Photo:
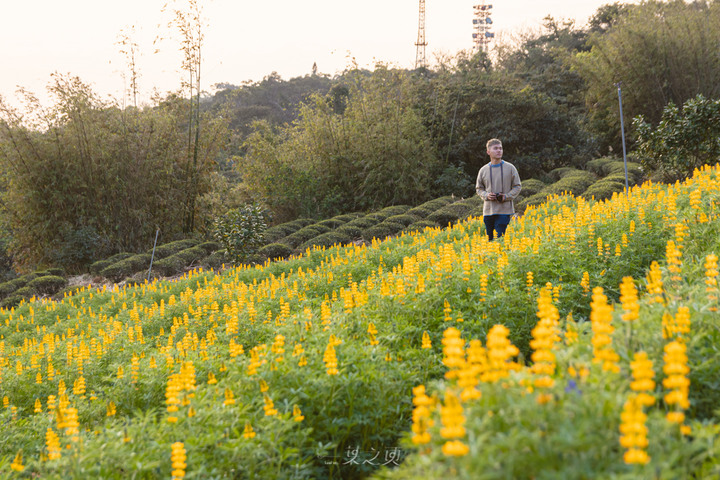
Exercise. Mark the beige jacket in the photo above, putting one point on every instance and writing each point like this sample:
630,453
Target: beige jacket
508,183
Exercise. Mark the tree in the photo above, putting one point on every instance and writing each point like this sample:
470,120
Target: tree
87,176
685,138
662,52
467,103
375,153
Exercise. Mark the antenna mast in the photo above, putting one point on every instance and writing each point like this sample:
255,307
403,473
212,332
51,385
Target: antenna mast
482,23
421,43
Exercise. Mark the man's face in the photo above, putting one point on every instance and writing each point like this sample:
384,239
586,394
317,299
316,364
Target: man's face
495,151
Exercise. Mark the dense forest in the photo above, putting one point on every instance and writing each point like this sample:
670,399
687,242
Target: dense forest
85,178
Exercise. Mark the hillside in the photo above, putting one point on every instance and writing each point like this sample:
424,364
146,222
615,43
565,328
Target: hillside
305,368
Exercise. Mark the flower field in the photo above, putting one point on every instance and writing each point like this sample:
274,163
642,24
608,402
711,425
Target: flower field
584,344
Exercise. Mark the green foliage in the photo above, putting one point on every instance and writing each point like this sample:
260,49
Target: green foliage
405,219
575,183
531,186
353,231
685,138
47,285
363,222
327,240
375,153
241,232
86,178
420,225
275,250
181,261
599,166
126,267
171,248
662,52
603,189
97,267
381,231
561,172
451,213
304,234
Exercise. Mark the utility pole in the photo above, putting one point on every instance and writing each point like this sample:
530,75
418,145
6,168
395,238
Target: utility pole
622,132
482,23
420,60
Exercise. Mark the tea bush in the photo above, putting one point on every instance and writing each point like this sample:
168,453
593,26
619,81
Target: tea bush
602,190
275,250
171,248
47,285
126,267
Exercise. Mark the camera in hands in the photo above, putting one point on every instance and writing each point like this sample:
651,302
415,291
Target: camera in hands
500,197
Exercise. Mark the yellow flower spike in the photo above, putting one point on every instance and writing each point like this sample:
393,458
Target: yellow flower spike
52,444
229,398
178,458
601,318
426,343
634,432
248,431
16,464
269,406
629,300
297,414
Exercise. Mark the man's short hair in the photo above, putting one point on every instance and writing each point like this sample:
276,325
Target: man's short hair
491,142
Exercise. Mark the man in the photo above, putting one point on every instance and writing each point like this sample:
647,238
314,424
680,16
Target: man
498,183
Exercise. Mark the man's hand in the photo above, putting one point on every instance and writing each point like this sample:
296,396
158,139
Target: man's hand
491,196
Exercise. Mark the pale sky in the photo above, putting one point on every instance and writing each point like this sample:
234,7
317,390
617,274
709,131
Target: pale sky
244,40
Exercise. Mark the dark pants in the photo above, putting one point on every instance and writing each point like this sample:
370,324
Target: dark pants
496,223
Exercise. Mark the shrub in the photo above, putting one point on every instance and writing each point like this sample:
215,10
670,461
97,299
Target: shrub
599,166
327,240
171,248
11,301
241,231
421,211
48,284
98,266
303,235
419,226
381,231
450,213
275,250
168,266
299,223
347,217
575,183
531,186
124,268
474,201
405,220
362,222
635,173
24,292
273,234
561,172
210,247
351,231
603,190
395,209
536,199
215,261
331,223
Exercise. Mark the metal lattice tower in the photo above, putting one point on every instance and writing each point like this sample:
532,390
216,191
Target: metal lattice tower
421,43
482,24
